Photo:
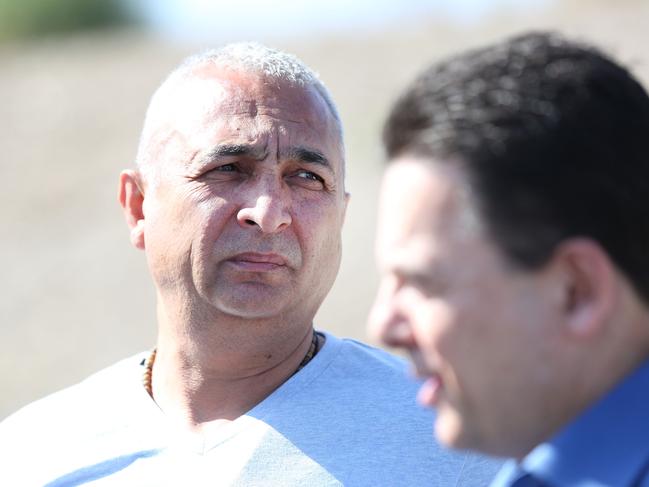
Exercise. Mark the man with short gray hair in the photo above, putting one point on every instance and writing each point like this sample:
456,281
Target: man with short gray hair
238,200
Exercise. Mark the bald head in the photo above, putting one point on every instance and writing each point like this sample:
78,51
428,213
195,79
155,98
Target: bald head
233,61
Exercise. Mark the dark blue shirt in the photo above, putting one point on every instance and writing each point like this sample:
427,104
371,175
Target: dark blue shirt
607,445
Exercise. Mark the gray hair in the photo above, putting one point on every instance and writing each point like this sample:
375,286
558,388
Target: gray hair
247,57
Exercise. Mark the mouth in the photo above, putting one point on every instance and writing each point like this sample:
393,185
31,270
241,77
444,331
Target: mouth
430,391
258,262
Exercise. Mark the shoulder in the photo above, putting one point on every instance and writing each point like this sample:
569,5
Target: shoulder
74,427
364,422
72,409
374,385
363,353
349,377
363,362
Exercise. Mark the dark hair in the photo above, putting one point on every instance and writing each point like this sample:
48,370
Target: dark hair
553,137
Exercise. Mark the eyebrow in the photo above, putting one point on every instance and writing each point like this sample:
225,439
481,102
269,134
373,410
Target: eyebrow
296,153
230,150
305,155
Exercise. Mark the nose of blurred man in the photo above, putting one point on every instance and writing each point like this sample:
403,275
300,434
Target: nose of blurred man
267,207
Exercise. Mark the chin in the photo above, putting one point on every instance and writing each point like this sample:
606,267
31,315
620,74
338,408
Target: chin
250,307
454,431
450,430
250,310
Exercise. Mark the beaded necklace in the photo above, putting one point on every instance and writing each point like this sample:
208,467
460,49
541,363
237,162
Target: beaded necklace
148,364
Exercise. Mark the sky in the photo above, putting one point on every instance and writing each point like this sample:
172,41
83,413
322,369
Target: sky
209,20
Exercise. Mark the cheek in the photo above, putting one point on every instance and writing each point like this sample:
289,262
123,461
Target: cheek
318,234
211,214
483,344
434,324
180,218
318,226
455,337
321,250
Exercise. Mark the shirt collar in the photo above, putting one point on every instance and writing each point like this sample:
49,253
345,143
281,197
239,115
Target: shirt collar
608,444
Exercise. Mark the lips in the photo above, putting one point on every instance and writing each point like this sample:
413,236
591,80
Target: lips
258,262
430,391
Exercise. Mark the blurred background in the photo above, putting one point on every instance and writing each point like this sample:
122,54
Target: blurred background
75,80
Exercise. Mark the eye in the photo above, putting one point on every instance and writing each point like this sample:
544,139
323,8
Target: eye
309,175
429,285
226,168
223,172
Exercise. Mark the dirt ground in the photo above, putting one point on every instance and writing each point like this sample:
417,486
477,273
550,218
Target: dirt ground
76,296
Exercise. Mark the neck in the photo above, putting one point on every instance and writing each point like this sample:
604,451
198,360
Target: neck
206,375
592,368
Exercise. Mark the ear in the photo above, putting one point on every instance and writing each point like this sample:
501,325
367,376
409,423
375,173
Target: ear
131,198
590,286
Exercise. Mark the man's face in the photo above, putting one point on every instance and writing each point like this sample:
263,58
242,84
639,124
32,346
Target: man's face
480,334
244,200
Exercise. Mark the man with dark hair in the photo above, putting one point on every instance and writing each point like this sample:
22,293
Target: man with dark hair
513,237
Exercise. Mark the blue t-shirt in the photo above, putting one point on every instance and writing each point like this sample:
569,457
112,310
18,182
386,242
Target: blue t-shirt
348,418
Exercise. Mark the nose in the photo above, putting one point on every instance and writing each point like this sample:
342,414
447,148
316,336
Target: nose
265,207
390,324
